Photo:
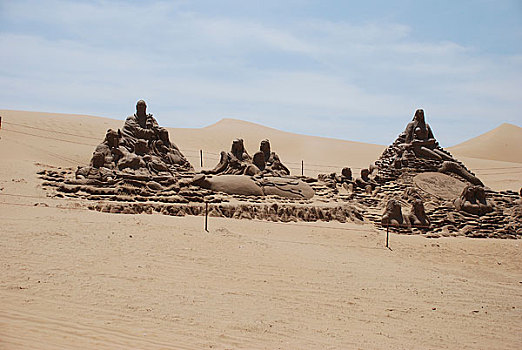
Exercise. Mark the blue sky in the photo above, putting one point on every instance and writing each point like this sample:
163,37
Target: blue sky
343,69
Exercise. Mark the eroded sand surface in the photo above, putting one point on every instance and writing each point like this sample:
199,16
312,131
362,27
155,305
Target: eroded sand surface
74,278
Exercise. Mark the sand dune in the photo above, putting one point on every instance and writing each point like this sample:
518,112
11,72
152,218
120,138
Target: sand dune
75,278
495,156
503,143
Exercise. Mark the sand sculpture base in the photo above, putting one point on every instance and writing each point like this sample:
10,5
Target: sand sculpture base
177,196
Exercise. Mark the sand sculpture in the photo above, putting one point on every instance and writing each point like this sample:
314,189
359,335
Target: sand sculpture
261,175
419,139
104,159
334,180
273,165
473,200
417,216
392,215
255,186
235,162
444,194
416,149
239,162
143,136
139,170
364,182
451,167
142,149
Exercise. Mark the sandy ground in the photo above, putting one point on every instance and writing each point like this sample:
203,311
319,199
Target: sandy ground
73,278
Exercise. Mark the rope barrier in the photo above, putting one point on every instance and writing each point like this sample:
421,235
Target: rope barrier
500,173
52,131
49,138
58,156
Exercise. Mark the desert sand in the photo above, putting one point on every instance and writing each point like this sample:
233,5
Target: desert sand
74,278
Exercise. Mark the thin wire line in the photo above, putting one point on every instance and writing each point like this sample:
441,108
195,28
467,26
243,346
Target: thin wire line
49,138
51,131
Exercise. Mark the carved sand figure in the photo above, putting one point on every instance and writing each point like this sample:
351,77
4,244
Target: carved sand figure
346,180
97,170
346,175
167,151
285,187
231,184
420,139
456,168
139,126
392,215
134,160
333,180
143,126
364,182
231,163
104,159
235,162
329,180
255,186
473,201
273,164
258,159
373,172
109,149
417,216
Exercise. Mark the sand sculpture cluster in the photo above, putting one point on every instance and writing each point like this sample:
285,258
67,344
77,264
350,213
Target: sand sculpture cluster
239,162
139,170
